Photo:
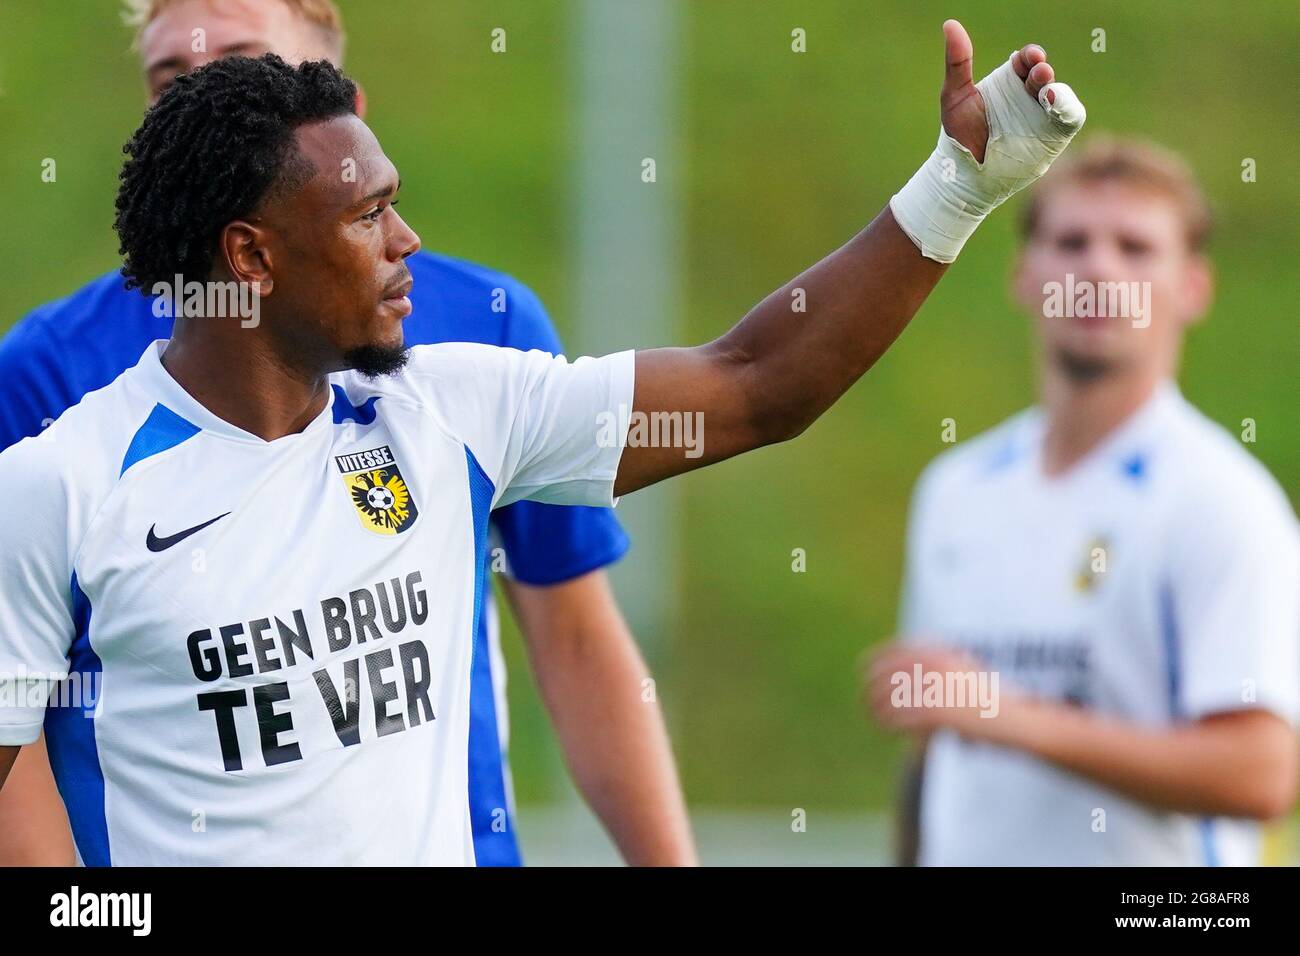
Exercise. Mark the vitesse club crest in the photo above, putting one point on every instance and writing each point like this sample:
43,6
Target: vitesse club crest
1093,567
377,490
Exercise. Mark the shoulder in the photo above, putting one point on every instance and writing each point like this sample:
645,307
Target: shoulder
455,364
471,389
87,436
459,300
975,460
1216,484
449,381
69,469
65,318
89,326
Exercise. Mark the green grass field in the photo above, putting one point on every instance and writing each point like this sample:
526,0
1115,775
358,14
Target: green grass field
779,158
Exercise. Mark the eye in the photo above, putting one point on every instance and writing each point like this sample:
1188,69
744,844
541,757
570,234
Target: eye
374,214
1072,242
1134,248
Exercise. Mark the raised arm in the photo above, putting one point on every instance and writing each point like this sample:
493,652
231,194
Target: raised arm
777,370
7,757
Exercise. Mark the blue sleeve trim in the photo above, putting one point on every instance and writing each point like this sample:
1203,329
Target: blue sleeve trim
548,544
493,830
585,564
70,740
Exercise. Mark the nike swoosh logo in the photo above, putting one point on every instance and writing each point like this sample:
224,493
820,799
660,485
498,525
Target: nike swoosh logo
155,543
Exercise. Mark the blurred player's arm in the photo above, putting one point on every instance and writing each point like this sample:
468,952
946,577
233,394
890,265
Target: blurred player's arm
1240,763
593,682
777,370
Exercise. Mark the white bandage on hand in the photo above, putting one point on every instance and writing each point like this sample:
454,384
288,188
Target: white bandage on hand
951,193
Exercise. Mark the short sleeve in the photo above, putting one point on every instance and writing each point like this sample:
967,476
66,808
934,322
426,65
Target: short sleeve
547,544
1233,604
541,428
36,609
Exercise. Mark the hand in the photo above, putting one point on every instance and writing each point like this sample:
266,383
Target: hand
891,689
962,106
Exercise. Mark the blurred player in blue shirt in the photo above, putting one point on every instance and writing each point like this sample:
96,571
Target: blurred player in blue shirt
587,664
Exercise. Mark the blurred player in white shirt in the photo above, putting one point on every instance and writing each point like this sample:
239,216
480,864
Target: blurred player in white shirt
1129,572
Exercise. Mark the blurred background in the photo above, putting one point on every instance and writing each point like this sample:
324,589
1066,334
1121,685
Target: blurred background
531,161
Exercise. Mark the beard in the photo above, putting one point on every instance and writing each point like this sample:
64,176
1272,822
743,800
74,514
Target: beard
1084,369
373,361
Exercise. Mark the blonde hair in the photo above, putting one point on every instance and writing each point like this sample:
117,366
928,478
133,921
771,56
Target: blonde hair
321,14
1132,162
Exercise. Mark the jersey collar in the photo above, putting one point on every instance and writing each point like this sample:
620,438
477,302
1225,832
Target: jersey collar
160,385
1126,446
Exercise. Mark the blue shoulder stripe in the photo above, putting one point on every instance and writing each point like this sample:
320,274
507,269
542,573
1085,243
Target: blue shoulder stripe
344,410
163,429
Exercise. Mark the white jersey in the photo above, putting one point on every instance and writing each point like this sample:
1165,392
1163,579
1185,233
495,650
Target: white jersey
1157,581
269,643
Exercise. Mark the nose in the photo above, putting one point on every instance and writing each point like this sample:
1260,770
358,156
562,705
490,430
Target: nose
402,240
1101,261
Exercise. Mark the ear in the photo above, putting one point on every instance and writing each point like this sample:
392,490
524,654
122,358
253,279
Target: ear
243,251
1198,289
361,101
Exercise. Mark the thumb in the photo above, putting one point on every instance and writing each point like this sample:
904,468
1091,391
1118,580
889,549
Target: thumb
958,54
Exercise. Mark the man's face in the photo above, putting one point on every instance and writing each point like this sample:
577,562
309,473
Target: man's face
170,45
334,251
1099,236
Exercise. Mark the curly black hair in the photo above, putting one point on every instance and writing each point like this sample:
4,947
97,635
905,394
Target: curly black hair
215,144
